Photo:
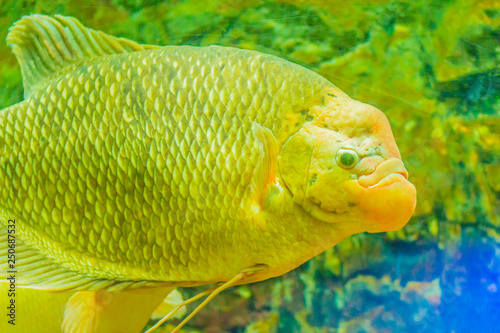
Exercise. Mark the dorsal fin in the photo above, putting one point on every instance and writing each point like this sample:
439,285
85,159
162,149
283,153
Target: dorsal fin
46,45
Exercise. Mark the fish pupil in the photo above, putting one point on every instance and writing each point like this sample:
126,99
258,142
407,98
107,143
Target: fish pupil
347,159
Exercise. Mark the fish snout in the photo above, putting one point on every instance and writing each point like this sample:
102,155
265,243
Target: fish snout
386,197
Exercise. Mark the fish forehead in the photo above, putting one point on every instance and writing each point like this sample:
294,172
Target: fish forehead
142,161
357,124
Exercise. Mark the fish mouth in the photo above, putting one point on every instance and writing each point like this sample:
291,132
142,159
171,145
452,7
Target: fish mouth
386,197
387,173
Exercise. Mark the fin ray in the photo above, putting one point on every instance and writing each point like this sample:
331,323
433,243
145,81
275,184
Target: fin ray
45,45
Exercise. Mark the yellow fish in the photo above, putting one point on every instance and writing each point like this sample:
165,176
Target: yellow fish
133,169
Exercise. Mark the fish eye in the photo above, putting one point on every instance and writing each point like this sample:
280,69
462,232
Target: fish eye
347,158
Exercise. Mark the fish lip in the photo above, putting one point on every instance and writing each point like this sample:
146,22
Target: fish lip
386,173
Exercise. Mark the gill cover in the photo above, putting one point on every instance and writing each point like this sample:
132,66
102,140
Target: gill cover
309,169
294,163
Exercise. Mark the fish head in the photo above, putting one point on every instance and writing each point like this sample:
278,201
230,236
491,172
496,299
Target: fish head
343,166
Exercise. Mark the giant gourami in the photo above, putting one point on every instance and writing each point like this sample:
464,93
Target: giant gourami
134,169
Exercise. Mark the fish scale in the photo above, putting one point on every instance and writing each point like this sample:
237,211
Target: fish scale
185,165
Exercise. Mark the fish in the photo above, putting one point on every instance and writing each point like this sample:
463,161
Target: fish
129,170
43,311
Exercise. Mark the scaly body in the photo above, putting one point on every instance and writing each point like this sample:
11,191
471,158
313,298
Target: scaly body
139,165
130,166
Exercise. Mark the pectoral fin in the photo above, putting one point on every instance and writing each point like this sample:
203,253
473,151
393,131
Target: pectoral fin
264,175
109,312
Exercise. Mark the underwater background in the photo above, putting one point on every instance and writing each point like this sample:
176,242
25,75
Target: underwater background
433,68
